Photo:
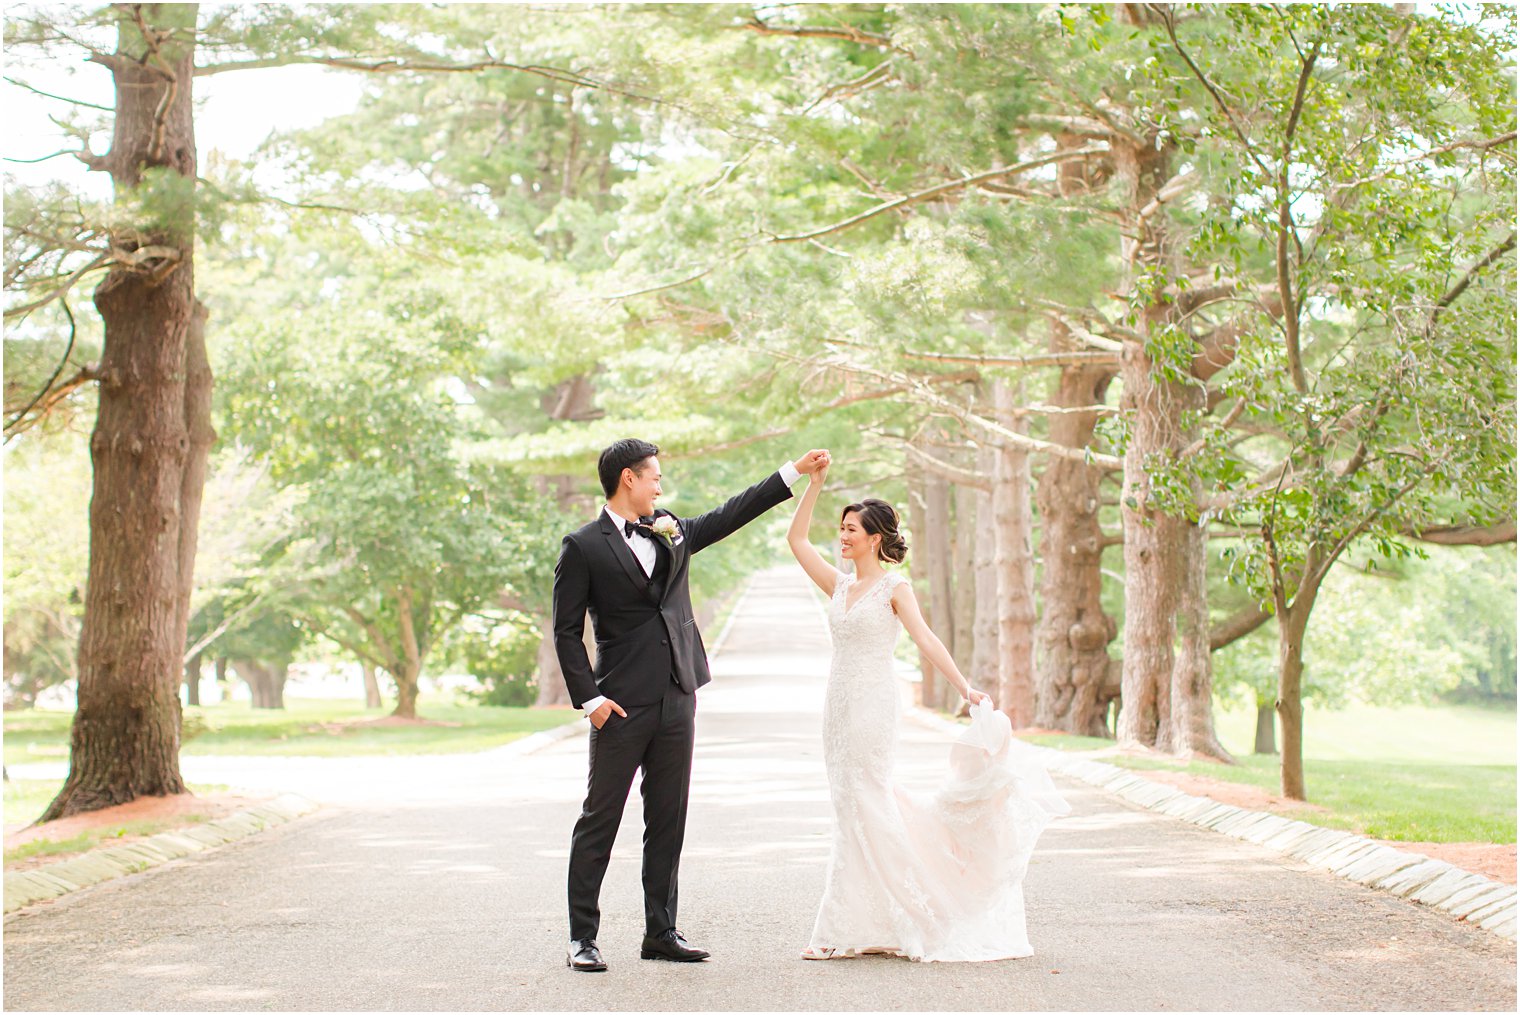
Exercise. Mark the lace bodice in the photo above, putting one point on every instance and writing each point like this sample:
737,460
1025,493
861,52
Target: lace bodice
869,626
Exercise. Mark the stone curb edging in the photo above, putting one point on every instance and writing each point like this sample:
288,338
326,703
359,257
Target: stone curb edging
1444,887
23,888
537,741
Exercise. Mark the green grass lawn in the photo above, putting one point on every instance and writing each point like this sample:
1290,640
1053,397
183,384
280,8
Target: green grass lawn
1448,734
1410,774
26,798
305,727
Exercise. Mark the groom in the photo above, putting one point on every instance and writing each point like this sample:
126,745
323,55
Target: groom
629,569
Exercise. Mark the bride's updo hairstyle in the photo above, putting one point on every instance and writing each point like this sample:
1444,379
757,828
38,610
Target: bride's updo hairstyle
879,518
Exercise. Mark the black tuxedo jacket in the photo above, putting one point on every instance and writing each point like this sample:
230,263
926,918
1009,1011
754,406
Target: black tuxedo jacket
645,631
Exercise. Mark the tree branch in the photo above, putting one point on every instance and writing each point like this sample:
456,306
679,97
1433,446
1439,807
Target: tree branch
1286,230
843,33
63,360
221,629
943,469
1237,626
1168,21
1467,535
1044,359
846,89
358,650
1450,296
1392,167
1172,189
400,65
1224,424
939,190
1005,435
68,283
1324,565
1079,125
388,658
837,403
60,98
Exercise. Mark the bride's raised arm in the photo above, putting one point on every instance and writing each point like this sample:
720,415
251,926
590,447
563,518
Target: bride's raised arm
906,605
824,574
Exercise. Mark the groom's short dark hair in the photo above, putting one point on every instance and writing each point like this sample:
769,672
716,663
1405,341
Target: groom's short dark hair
628,453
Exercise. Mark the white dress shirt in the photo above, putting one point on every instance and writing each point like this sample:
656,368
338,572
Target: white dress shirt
643,548
639,542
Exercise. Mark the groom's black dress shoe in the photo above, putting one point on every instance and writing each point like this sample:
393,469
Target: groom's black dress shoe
671,946
584,957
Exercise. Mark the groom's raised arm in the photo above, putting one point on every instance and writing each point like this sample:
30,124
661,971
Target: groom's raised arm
739,510
572,595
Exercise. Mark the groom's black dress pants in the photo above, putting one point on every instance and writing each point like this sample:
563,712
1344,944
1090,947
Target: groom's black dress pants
658,739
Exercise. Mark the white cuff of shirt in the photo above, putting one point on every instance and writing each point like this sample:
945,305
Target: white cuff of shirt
789,474
592,705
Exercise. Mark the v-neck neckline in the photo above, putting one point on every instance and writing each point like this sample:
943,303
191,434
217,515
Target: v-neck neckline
848,609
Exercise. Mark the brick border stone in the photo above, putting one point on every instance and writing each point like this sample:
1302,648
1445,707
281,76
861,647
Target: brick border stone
25,888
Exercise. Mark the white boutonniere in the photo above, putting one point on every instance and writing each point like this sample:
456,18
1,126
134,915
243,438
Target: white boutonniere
666,528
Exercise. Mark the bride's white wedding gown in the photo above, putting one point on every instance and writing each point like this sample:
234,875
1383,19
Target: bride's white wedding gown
938,879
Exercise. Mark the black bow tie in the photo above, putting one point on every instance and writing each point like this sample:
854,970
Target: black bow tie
642,525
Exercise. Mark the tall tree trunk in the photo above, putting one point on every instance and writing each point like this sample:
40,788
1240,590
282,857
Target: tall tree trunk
1152,558
1192,715
279,672
1266,732
223,686
1167,675
963,570
552,692
1074,631
193,679
1014,564
1166,661
918,571
409,673
1290,708
407,677
126,733
193,482
371,685
1291,625
260,681
935,542
984,634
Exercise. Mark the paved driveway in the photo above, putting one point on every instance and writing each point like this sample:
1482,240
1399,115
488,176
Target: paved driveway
438,884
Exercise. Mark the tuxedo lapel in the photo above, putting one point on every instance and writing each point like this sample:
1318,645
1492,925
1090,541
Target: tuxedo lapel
624,554
673,554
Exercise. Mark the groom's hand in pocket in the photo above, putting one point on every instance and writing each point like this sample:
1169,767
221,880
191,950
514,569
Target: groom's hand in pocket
604,710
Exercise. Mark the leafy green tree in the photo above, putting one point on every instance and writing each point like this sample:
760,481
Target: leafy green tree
153,377
396,537
502,653
1365,211
150,439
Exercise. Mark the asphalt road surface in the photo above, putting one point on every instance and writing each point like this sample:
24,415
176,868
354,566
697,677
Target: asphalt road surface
438,884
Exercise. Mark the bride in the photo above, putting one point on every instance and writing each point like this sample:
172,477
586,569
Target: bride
935,880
